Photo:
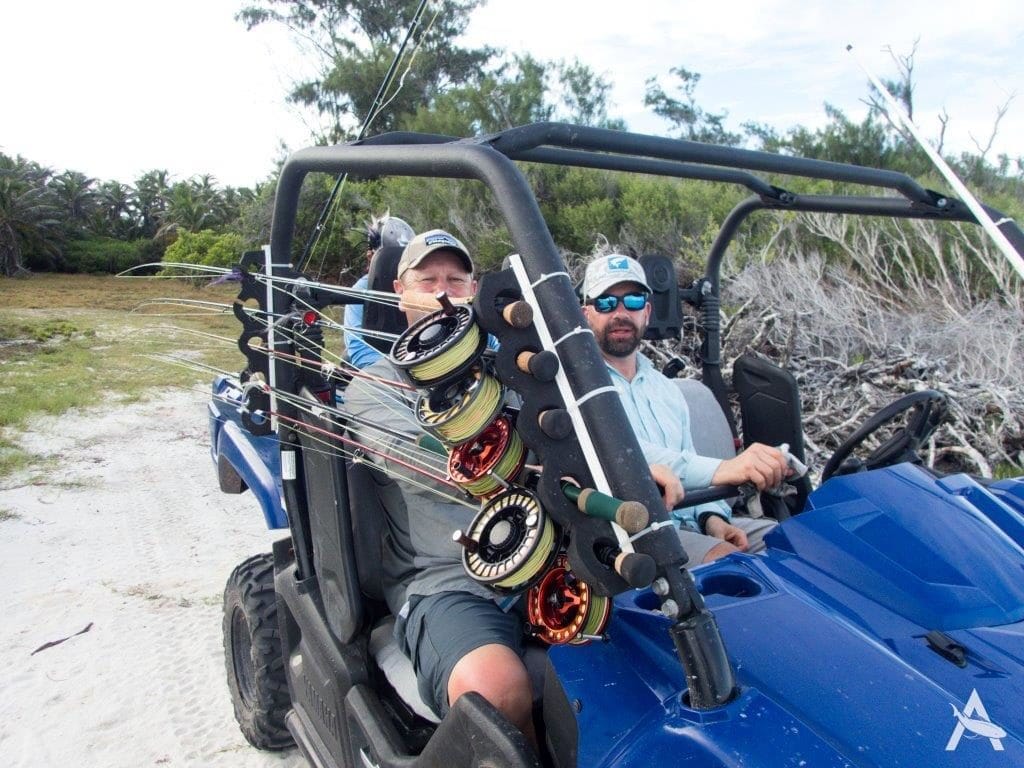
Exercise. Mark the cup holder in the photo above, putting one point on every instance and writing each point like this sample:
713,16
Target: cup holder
729,585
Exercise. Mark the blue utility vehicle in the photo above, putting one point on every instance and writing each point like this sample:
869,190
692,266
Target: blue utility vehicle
884,625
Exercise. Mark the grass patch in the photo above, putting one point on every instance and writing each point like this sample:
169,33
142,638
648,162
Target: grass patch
73,341
1005,470
12,457
7,514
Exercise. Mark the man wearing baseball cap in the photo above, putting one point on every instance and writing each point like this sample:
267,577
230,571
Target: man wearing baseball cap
455,631
615,299
458,633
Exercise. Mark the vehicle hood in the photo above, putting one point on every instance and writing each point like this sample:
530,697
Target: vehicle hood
828,633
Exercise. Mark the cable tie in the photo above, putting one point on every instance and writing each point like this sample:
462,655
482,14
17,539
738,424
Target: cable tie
596,392
574,332
650,529
543,277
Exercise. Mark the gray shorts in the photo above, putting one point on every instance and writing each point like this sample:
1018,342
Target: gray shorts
697,545
441,629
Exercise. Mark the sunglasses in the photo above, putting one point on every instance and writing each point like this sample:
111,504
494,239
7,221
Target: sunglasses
606,303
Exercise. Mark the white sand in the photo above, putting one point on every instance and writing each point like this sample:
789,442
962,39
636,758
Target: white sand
130,533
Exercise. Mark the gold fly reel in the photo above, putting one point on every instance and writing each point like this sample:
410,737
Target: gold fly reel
460,411
510,542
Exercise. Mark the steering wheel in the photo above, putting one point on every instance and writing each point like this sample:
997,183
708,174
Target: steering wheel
927,410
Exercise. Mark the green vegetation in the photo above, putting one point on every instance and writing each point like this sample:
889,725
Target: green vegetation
64,221
6,514
93,351
206,247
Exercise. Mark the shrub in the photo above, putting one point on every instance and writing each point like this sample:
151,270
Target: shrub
206,247
103,254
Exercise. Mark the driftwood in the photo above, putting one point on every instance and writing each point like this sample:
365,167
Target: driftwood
851,360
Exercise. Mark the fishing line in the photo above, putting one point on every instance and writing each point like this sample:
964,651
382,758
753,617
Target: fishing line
370,115
174,265
461,411
430,464
357,457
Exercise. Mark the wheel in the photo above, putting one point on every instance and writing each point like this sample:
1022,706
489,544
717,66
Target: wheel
927,410
252,654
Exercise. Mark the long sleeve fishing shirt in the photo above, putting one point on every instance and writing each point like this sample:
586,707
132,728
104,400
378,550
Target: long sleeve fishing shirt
661,419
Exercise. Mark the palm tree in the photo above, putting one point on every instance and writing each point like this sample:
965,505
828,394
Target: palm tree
151,191
74,193
116,205
29,219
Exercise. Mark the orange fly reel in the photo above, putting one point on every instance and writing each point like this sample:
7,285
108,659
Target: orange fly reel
563,609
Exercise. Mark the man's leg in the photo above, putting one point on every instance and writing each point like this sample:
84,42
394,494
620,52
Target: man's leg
756,528
460,642
498,674
700,548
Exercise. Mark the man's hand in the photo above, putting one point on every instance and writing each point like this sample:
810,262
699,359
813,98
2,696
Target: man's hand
669,484
721,528
759,464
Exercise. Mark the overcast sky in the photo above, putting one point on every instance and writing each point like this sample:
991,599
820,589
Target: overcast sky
117,87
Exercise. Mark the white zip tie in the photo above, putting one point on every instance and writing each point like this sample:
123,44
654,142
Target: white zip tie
574,332
544,277
650,529
596,392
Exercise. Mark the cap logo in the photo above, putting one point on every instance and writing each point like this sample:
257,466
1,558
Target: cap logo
440,239
618,264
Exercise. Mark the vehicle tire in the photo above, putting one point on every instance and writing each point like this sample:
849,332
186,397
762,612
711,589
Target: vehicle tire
253,656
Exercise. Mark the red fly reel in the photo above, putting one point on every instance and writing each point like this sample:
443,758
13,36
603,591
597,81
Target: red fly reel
563,609
483,465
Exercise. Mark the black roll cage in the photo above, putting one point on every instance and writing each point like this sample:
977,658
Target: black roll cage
490,159
600,148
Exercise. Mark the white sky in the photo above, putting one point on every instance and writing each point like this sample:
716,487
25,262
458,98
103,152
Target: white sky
117,87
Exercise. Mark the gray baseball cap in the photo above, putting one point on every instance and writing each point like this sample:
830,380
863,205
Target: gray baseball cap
614,268
427,243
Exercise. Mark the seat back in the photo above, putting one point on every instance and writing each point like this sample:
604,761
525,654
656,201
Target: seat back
708,425
770,411
769,403
378,316
371,493
330,523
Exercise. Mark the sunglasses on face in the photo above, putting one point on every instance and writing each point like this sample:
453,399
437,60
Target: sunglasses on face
606,303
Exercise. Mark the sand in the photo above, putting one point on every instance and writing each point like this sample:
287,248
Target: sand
129,535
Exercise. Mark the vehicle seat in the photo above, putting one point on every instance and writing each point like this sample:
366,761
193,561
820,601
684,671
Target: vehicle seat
378,316
708,425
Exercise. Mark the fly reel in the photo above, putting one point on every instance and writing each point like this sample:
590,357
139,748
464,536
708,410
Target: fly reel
483,466
510,542
443,345
459,411
563,609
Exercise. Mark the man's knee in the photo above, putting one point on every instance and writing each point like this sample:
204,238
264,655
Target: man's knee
497,673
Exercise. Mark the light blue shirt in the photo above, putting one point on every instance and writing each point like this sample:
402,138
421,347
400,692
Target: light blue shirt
359,353
661,420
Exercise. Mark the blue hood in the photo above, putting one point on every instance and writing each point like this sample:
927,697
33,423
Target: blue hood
829,636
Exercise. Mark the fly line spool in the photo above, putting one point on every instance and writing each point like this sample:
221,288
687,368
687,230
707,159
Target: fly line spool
485,464
510,542
443,345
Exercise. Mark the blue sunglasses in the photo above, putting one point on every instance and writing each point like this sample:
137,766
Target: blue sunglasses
606,303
